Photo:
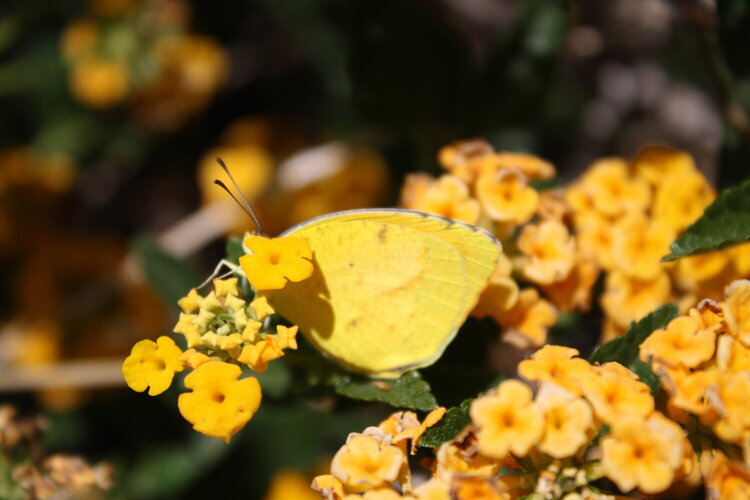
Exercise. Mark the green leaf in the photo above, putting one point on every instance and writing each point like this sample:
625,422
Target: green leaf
454,421
725,222
170,277
408,391
624,350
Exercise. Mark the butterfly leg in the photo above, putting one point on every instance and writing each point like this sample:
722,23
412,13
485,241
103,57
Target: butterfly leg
233,269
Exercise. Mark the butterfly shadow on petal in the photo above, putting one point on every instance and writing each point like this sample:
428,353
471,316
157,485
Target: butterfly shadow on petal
306,304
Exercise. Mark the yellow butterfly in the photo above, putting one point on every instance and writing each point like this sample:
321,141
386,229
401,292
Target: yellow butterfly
390,287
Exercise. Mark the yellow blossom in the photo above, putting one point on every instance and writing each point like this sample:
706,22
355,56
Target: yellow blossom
613,393
456,459
574,292
568,421
99,83
696,272
725,479
643,453
531,166
613,190
290,485
220,404
405,425
656,163
501,292
688,390
508,420
736,308
732,355
638,245
741,259
461,158
257,355
594,238
556,364
152,364
261,307
627,299
730,397
193,358
527,322
548,252
364,462
681,198
222,288
274,261
286,337
189,303
329,487
447,196
506,197
681,342
250,332
433,489
472,488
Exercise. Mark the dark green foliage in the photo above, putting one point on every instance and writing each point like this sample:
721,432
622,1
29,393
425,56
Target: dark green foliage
725,222
407,391
454,421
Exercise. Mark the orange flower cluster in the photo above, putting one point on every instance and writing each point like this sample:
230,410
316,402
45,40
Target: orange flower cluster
523,442
625,215
141,52
703,361
619,217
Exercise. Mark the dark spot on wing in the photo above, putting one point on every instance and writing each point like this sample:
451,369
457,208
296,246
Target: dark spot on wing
352,323
381,234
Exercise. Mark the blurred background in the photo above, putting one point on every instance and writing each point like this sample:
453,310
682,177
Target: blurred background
111,112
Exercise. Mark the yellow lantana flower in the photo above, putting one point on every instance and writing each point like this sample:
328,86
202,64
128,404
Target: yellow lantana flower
594,238
526,323
627,299
730,398
568,421
556,364
506,196
274,261
724,478
643,454
681,198
548,252
257,355
681,342
152,364
638,245
613,392
613,190
220,404
290,485
447,196
365,462
736,309
508,420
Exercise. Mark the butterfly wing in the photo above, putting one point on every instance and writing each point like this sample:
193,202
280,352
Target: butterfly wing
388,292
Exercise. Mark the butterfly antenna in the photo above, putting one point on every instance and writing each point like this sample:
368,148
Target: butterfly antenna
245,205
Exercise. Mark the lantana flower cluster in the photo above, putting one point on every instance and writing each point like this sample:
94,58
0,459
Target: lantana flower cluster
224,333
619,218
703,361
579,423
142,53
